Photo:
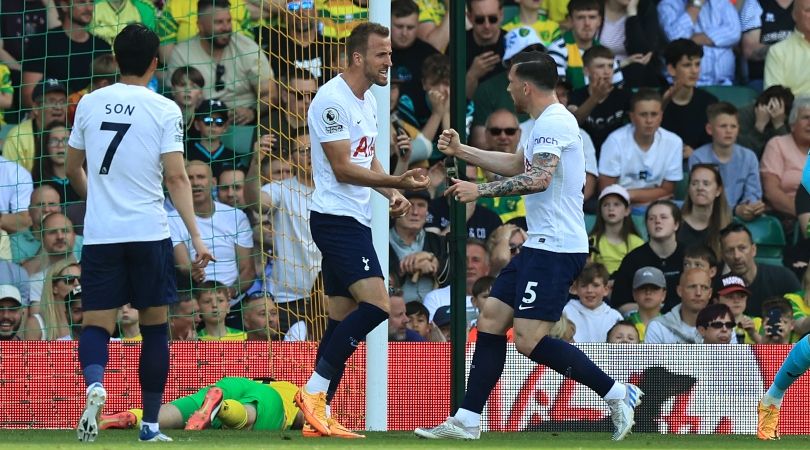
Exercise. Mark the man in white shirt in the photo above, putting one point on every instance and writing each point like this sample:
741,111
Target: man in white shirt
343,122
225,230
129,137
641,156
532,290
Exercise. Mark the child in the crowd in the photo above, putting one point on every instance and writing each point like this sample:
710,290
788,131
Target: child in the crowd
701,256
614,235
419,321
738,166
211,120
623,332
590,315
480,293
649,293
734,293
214,306
441,320
777,322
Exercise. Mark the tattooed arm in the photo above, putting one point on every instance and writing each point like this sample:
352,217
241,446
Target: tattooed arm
536,179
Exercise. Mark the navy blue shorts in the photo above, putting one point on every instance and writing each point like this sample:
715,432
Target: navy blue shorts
535,283
139,273
347,249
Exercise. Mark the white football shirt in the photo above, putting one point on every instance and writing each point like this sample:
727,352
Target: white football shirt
636,168
554,217
227,228
336,114
124,130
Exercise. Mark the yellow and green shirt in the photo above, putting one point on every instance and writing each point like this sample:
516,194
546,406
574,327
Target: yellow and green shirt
108,20
5,87
611,255
19,144
547,30
635,319
231,334
178,21
556,10
339,17
432,11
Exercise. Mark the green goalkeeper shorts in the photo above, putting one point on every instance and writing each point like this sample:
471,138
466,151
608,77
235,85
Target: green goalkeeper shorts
270,413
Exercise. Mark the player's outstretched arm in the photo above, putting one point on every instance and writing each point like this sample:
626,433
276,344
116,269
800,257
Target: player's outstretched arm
337,152
536,179
504,164
176,179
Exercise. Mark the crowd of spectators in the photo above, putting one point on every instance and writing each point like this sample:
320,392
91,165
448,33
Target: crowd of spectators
694,114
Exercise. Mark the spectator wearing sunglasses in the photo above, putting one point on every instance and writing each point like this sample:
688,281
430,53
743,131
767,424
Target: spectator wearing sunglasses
211,122
230,62
485,42
601,107
715,324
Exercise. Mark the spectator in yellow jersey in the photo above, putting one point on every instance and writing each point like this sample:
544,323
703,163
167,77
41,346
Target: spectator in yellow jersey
128,328
532,15
434,23
178,22
338,17
50,100
212,298
6,92
111,16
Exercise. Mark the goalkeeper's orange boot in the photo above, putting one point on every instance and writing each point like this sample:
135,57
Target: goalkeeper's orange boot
339,431
201,419
313,406
767,422
125,420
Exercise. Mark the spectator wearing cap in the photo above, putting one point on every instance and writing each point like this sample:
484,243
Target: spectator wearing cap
50,318
409,52
485,42
600,107
11,313
532,16
441,319
65,53
49,106
734,294
260,317
398,330
233,66
491,95
417,257
649,292
763,281
614,235
586,21
226,231
679,325
715,323
296,260
211,122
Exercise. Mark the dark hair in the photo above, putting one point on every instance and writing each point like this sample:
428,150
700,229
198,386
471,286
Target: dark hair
189,73
776,302
416,308
679,48
135,48
436,69
481,285
721,214
592,271
541,71
673,208
357,42
295,74
525,56
715,109
597,51
600,227
42,170
584,5
712,312
643,95
204,5
777,91
182,297
736,227
623,323
208,286
701,251
403,8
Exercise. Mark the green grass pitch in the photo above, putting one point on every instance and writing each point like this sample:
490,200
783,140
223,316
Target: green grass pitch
219,439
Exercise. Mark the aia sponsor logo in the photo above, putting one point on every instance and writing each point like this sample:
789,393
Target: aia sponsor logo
365,147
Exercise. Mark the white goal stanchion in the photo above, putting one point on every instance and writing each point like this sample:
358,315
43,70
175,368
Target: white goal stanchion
377,340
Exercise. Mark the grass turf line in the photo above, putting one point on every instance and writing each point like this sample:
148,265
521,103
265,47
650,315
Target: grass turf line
218,439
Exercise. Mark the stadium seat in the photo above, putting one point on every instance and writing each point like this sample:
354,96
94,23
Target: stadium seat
769,236
590,221
738,96
682,187
641,226
239,138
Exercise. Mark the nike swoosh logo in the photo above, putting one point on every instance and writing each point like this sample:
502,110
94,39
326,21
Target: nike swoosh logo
521,307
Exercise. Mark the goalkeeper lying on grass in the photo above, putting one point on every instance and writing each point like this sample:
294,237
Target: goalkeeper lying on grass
232,402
